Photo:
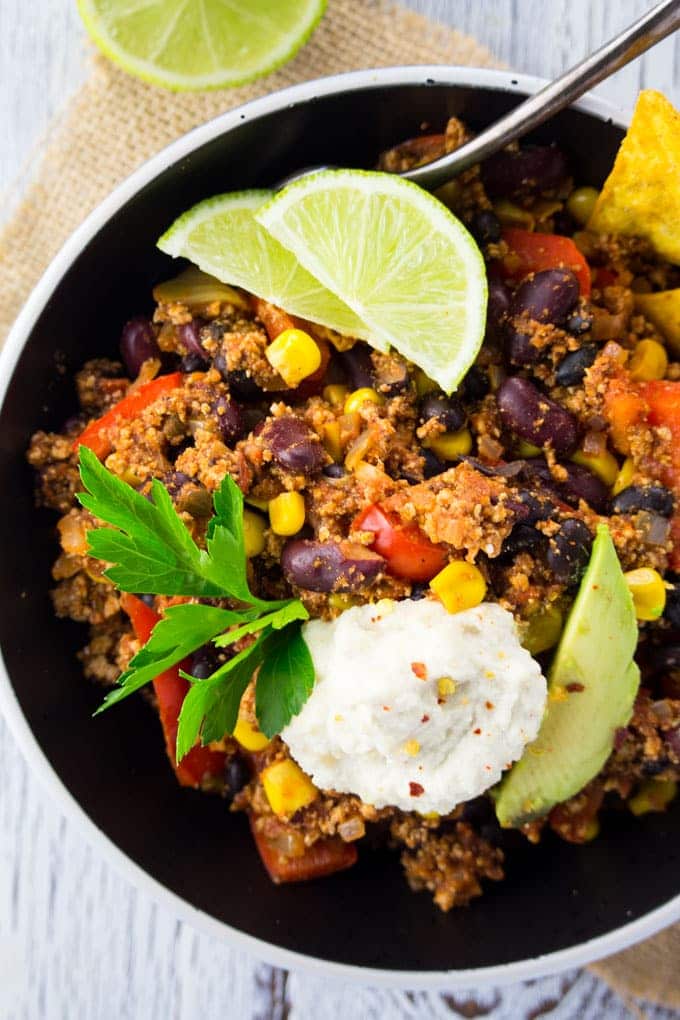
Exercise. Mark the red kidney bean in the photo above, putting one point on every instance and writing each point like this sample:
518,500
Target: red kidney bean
358,365
572,367
568,551
189,334
644,497
137,344
497,307
547,296
330,566
446,410
518,346
485,227
294,446
229,418
535,417
531,169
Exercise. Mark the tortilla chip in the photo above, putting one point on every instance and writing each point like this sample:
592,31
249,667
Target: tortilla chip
663,311
641,196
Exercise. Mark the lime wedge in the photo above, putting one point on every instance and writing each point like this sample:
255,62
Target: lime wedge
396,256
223,238
200,44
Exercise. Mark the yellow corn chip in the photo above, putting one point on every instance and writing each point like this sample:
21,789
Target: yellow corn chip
663,310
641,196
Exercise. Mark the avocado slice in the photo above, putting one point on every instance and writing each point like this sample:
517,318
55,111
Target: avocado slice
592,685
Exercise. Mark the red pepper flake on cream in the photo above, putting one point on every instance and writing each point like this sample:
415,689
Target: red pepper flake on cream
416,790
418,669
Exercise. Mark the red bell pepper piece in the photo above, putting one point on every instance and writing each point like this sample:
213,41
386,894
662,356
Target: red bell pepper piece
97,435
531,252
171,689
322,858
408,551
663,399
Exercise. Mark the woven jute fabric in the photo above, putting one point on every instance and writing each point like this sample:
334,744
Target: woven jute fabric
114,123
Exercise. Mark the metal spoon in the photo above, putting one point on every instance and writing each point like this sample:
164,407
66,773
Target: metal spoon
648,30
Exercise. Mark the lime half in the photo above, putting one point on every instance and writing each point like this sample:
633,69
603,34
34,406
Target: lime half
396,256
223,238
200,44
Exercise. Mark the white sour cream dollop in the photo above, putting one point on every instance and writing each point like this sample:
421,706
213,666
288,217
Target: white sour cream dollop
415,707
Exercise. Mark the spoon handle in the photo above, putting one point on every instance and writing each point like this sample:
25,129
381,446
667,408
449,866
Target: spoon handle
648,30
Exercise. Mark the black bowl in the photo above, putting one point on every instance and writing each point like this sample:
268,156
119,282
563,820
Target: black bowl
561,904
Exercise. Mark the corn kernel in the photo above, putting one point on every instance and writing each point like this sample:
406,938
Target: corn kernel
445,686
294,355
332,440
253,533
450,445
512,215
648,361
653,795
287,787
624,477
357,398
581,203
249,736
341,601
335,395
525,449
648,591
459,586
543,630
604,465
287,513
412,748
424,384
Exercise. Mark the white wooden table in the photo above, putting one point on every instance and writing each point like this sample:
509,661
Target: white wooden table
76,941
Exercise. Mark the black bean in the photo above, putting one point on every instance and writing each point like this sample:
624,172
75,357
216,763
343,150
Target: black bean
578,484
563,223
137,344
330,566
241,385
580,320
432,465
572,367
236,775
229,417
485,227
294,446
189,335
358,365
569,551
446,410
418,592
393,379
535,417
654,766
174,481
148,600
334,471
204,662
644,497
672,610
518,346
192,363
531,169
528,508
664,657
475,385
521,538
547,296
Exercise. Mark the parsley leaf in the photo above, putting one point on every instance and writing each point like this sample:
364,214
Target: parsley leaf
150,550
285,680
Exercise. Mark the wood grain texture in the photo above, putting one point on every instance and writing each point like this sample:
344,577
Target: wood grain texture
76,940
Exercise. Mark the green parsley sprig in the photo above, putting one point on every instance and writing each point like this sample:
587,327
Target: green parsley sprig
151,552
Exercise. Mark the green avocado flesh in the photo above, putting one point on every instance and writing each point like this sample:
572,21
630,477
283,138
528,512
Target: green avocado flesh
591,689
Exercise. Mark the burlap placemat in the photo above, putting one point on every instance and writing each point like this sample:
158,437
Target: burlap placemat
114,123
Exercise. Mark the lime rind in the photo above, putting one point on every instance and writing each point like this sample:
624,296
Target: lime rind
201,24
222,237
425,296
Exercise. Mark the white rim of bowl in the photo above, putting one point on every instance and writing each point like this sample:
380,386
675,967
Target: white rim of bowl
522,970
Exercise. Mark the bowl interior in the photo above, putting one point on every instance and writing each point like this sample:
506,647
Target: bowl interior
115,766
